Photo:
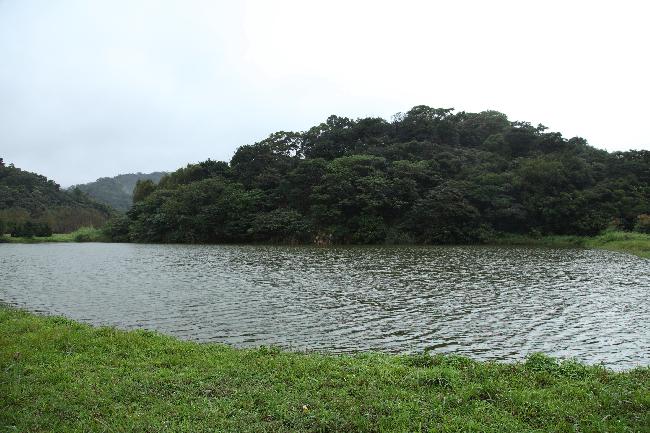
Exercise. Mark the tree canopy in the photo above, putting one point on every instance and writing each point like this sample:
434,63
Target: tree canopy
31,204
430,175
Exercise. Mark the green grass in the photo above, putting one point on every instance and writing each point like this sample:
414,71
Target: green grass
60,376
628,242
634,243
83,234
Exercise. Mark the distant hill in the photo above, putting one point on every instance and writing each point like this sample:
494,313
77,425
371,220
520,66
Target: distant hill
30,197
428,176
117,191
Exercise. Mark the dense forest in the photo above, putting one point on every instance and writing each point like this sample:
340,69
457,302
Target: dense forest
430,175
32,205
117,192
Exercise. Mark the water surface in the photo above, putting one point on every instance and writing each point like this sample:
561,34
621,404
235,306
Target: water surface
496,303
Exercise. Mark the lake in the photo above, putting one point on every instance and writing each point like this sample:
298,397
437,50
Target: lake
488,303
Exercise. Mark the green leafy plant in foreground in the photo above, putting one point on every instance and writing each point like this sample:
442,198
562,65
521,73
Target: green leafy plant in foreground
58,375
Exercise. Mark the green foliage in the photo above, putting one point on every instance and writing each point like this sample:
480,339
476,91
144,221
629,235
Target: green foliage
634,243
444,216
210,210
58,375
143,189
642,223
117,228
30,198
30,229
88,234
117,192
82,234
429,176
194,173
70,218
280,225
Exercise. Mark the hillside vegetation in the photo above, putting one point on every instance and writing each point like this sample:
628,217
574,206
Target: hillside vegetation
30,204
427,176
117,191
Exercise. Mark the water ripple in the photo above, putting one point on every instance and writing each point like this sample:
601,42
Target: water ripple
493,303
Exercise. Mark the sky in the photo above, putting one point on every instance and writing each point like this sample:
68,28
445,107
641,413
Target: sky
97,88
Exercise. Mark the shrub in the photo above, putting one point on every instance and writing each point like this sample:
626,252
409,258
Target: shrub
87,234
42,230
30,229
642,223
117,229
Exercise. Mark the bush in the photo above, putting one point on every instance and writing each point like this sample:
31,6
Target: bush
394,236
42,230
642,223
82,237
88,234
280,225
117,229
30,229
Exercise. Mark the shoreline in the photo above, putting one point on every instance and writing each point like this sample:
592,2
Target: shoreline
634,243
84,234
60,375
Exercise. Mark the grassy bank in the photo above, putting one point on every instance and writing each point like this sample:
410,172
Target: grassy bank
84,234
628,242
58,375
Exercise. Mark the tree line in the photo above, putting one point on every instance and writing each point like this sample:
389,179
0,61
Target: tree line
32,205
430,175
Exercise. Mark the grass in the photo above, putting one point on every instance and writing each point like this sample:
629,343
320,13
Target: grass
634,243
628,242
59,375
83,234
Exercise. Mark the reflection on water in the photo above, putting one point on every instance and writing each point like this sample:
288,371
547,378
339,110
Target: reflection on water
486,302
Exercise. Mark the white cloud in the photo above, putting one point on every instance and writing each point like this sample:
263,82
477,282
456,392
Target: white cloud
89,89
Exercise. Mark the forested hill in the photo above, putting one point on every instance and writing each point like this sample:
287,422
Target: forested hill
117,191
29,198
427,176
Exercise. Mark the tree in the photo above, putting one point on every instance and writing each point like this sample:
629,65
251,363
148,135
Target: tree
142,190
444,216
280,225
424,123
475,128
429,176
117,228
26,196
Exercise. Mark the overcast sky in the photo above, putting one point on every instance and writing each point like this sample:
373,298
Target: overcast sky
97,88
